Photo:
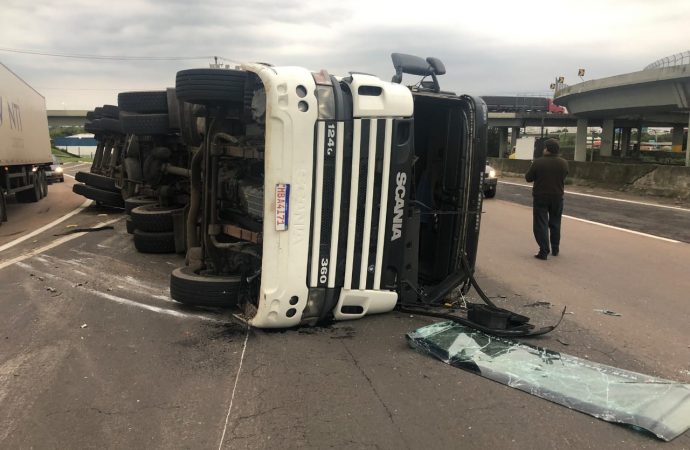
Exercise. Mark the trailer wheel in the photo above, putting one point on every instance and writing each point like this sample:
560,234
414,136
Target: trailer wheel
210,86
3,207
43,184
130,225
145,124
30,195
107,198
140,200
147,242
109,124
145,102
110,111
154,217
191,288
97,181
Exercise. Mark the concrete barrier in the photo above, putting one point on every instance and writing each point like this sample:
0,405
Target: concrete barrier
649,179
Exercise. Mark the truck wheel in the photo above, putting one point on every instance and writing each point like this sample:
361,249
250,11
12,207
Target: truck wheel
145,102
3,207
490,193
42,183
210,86
130,225
191,288
133,202
109,124
107,198
110,111
146,242
154,217
30,195
97,181
145,124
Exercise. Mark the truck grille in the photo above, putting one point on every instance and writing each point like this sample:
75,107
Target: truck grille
352,162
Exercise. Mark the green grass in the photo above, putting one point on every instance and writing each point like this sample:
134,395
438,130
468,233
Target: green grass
65,156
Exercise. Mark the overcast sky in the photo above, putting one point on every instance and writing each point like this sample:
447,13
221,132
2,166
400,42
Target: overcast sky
488,47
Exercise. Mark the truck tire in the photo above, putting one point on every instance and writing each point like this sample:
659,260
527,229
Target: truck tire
110,125
154,217
210,86
191,288
30,195
145,124
111,111
130,225
108,198
97,181
146,242
3,207
145,102
140,200
92,127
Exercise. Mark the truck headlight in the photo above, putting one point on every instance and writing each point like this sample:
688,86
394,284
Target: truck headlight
492,173
58,169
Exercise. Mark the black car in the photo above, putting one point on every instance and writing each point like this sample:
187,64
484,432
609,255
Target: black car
56,172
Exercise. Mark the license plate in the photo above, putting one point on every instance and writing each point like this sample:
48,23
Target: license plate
282,206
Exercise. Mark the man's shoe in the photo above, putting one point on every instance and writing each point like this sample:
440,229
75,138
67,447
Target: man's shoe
554,251
542,256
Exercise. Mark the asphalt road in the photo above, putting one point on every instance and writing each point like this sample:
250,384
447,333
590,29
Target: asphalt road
644,216
94,354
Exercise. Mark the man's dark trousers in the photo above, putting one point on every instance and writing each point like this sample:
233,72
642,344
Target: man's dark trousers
547,213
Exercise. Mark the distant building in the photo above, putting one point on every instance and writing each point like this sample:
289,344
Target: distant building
83,144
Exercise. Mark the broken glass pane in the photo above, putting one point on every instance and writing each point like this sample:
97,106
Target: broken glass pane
611,394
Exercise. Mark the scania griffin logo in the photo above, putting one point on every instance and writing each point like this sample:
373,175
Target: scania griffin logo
399,209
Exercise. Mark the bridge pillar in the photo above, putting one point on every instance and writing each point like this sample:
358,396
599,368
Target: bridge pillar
687,148
625,140
514,135
581,140
677,139
607,138
503,142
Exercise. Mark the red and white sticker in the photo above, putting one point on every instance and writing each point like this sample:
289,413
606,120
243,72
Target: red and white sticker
282,206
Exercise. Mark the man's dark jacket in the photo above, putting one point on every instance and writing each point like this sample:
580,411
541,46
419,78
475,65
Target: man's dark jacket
548,174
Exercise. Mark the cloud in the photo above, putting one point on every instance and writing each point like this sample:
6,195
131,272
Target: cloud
488,47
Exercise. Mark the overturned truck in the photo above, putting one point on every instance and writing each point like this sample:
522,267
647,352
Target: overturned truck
315,197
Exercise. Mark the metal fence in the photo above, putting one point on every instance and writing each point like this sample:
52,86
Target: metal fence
679,59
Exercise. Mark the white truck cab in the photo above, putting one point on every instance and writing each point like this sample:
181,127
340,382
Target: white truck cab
317,197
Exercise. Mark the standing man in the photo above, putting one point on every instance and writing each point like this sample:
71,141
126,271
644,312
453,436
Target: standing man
548,174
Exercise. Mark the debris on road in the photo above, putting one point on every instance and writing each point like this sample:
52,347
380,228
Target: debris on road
51,289
85,230
535,304
605,392
608,312
83,325
562,341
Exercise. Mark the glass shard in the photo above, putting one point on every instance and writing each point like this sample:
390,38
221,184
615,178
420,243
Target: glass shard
615,395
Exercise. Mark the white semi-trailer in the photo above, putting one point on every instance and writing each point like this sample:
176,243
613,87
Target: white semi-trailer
25,154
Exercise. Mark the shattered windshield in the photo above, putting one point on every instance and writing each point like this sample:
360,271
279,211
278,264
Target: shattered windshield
608,393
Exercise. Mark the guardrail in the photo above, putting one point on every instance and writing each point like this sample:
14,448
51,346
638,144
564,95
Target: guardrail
679,59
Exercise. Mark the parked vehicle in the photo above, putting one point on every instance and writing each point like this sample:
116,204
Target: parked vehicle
490,182
505,103
25,154
316,197
55,172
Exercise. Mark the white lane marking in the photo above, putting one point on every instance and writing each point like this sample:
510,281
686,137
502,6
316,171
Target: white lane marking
68,175
45,227
128,302
79,165
121,300
623,229
234,388
53,244
678,208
